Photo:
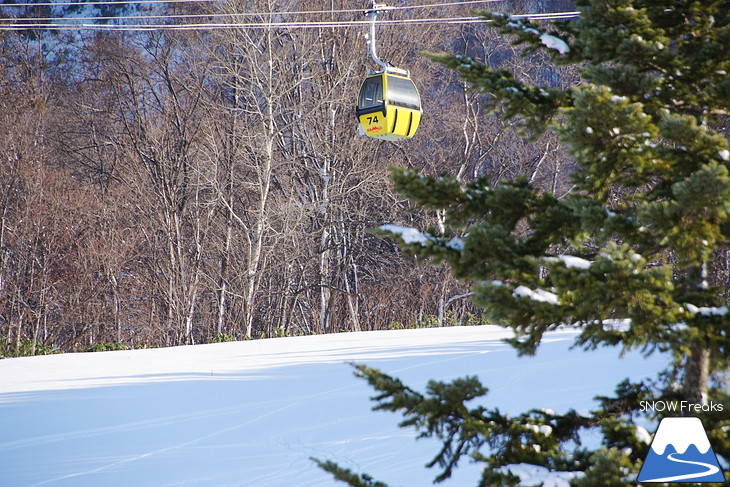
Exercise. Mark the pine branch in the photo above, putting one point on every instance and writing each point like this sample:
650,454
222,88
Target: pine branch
347,476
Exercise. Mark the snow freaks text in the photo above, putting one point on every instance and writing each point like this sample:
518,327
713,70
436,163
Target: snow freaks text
680,406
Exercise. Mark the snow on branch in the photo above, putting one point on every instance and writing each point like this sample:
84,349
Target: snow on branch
570,261
706,310
552,42
573,262
455,244
414,236
547,40
408,235
539,295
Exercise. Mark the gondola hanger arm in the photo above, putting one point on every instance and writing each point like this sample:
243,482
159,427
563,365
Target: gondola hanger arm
372,14
377,8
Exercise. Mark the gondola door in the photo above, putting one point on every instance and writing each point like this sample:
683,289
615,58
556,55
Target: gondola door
371,111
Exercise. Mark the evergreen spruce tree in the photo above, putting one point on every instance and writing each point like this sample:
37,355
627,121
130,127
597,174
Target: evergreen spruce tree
624,256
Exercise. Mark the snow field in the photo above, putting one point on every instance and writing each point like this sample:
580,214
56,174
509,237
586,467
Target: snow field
253,413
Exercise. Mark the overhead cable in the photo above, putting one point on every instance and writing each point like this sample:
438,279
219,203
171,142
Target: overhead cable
269,25
222,14
144,2
102,2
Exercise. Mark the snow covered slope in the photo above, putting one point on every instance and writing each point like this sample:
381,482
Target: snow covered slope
253,413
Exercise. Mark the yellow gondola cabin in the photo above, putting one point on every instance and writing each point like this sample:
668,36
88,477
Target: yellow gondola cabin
389,107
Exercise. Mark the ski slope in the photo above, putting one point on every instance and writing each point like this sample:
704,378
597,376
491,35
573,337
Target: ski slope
253,413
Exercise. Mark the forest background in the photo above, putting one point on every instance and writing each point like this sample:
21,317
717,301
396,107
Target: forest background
170,187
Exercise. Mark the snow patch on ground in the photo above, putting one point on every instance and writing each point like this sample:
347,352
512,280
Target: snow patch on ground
253,413
537,476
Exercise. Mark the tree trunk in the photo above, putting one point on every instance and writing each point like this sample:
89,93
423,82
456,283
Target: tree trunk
697,374
115,305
